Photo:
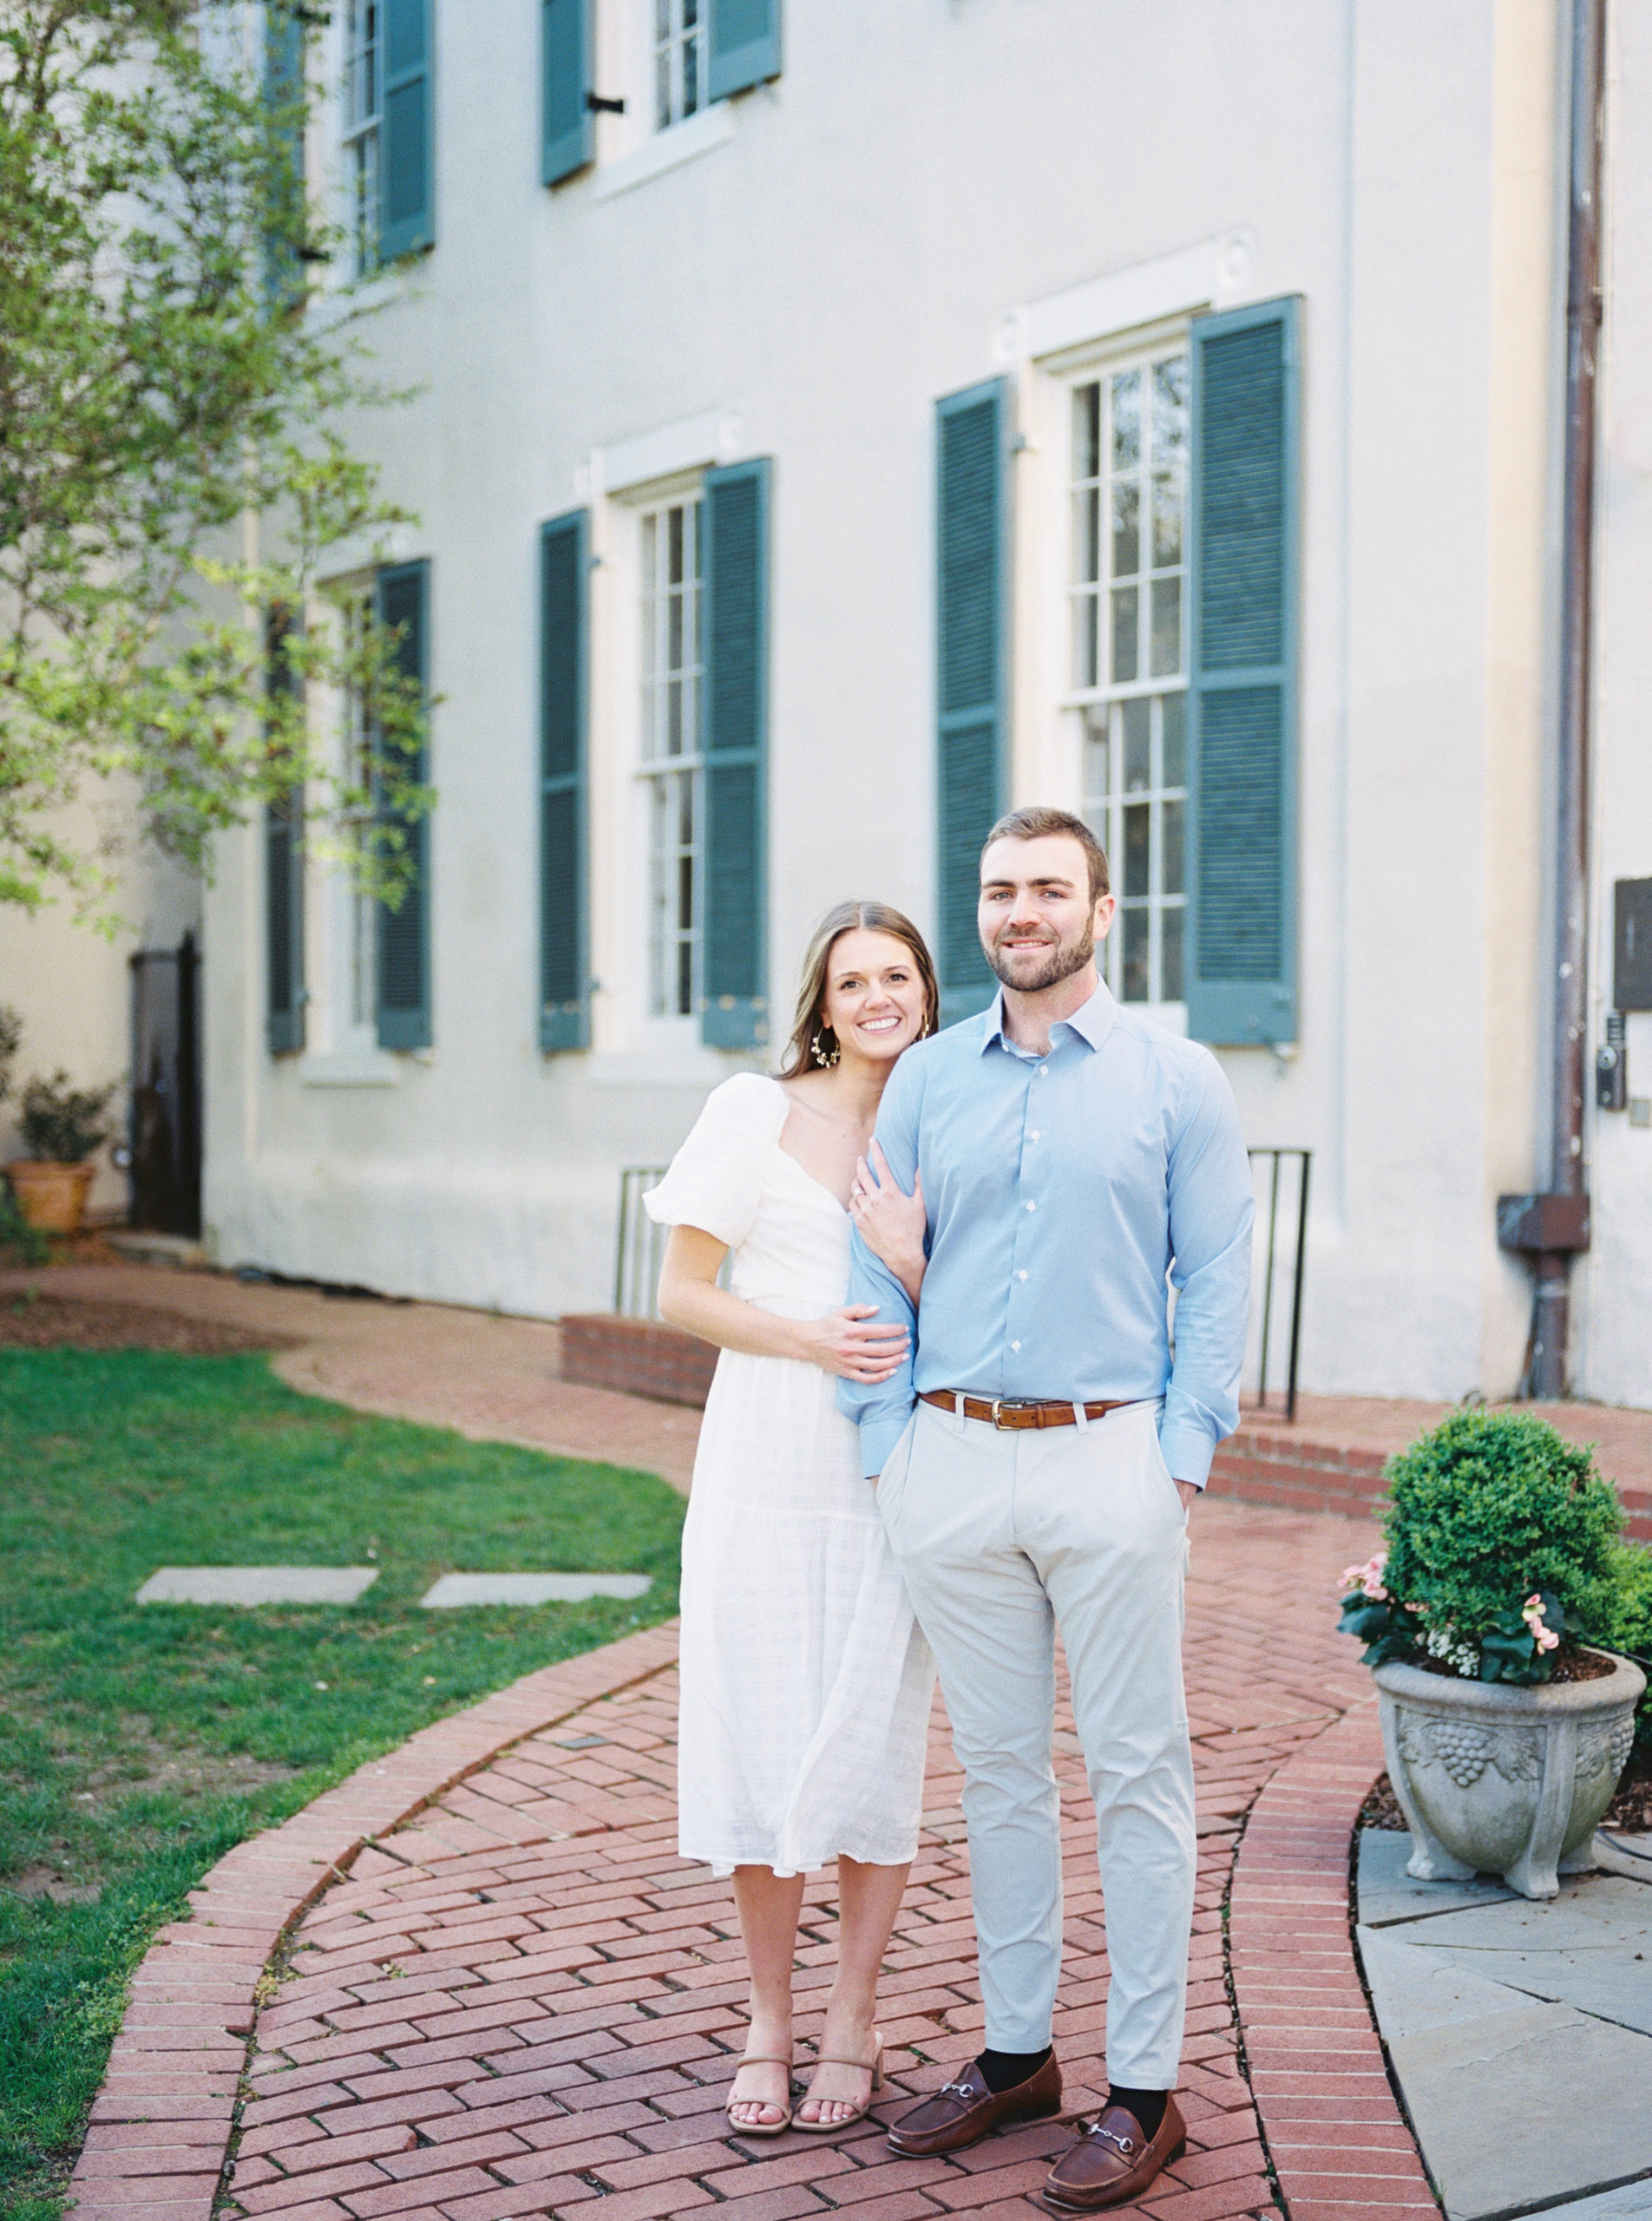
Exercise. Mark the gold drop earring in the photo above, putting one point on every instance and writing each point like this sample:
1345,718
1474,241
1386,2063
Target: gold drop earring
819,1054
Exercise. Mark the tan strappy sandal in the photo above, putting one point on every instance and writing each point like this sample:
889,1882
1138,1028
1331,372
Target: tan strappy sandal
874,2067
759,2128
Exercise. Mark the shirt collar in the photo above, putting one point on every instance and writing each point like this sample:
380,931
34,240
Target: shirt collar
1092,1021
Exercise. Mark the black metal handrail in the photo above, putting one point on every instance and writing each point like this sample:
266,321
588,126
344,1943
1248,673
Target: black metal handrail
1273,1160
639,1246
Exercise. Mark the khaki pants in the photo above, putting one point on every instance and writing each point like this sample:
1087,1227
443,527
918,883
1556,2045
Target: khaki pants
1002,1537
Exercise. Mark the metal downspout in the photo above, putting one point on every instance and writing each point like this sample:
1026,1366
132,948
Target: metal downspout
1553,1266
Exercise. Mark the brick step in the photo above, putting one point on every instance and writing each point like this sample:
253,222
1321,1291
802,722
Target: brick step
1261,1464
641,1356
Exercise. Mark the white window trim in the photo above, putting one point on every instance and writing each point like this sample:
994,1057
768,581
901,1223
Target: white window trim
662,151
1055,761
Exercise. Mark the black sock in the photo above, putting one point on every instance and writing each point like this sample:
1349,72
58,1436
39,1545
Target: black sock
1002,2070
1148,2106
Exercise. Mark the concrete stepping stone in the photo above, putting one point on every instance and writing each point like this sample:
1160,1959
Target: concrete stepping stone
454,1589
1387,1893
257,1584
1632,2203
1519,2032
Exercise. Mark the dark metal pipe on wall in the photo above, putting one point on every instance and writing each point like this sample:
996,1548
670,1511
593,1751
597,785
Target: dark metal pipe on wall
1550,1325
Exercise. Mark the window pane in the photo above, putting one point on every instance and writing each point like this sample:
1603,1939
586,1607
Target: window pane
674,540
1136,929
1136,717
1084,672
674,717
1138,853
1125,632
1170,411
1166,656
1086,534
1096,780
691,76
1086,432
662,19
1127,528
1170,985
662,89
1172,835
1167,521
1127,420
1172,710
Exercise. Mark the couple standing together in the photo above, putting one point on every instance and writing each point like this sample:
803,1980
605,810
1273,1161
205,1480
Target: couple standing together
947,1421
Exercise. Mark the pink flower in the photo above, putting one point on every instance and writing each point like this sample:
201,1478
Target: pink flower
1545,1637
1367,1578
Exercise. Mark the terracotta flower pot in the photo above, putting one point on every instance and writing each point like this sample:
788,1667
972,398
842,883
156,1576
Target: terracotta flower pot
1499,1780
52,1197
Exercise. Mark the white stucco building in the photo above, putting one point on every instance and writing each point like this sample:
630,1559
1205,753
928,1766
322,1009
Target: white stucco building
818,460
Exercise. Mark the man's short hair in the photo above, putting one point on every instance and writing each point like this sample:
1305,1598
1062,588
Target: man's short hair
1036,821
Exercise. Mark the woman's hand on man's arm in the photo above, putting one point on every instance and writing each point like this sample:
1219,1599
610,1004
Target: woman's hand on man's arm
892,1225
845,1342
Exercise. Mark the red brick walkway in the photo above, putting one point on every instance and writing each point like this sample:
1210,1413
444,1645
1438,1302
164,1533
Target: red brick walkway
522,2002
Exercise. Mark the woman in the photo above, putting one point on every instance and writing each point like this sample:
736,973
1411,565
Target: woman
806,1684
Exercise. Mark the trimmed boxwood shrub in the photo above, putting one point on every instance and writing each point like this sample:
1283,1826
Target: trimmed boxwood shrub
1501,1538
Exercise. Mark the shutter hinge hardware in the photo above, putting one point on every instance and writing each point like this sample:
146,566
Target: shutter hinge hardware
597,105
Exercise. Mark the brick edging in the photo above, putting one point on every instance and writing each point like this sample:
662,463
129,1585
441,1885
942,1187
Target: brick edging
178,2060
1337,2138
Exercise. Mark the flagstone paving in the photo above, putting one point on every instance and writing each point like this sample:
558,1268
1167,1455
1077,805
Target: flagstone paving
523,2002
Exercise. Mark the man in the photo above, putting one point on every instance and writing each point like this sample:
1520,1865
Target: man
1035,1462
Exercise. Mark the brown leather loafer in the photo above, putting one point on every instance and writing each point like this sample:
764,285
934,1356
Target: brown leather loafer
966,2110
1112,2162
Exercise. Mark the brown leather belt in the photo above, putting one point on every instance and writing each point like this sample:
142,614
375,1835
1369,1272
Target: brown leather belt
1019,1411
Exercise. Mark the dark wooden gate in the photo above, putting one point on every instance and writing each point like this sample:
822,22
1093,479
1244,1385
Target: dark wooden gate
166,1089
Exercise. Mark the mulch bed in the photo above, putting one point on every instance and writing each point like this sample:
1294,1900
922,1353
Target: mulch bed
37,1321
1630,1809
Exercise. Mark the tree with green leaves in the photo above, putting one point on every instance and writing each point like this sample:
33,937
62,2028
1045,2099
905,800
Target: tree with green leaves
174,482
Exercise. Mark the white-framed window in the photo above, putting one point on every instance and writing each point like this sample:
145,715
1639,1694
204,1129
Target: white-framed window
1128,672
678,35
362,85
671,668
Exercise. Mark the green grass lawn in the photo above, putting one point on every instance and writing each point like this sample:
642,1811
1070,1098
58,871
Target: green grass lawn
139,1743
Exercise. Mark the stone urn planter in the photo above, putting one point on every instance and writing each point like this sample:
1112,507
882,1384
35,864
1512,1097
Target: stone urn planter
1498,1779
51,1197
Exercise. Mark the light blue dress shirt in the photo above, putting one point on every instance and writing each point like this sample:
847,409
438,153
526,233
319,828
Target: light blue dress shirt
1060,1190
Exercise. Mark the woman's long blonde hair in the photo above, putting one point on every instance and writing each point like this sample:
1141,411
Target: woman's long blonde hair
869,917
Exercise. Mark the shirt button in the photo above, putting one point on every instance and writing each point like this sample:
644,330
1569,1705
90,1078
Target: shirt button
1015,1346
1031,1206
1020,1276
1033,1135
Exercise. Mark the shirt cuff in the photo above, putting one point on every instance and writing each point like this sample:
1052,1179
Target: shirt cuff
878,1439
1188,1451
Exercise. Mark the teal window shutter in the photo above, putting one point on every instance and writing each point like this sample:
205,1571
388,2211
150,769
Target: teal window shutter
564,955
403,949
744,36
406,212
1241,694
734,965
971,678
567,140
283,877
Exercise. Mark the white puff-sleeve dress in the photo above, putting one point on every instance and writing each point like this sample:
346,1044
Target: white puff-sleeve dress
806,1681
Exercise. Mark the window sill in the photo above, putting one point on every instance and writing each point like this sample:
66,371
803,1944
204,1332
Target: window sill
666,150
351,1068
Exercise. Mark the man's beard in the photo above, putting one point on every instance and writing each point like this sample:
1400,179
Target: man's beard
1061,962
